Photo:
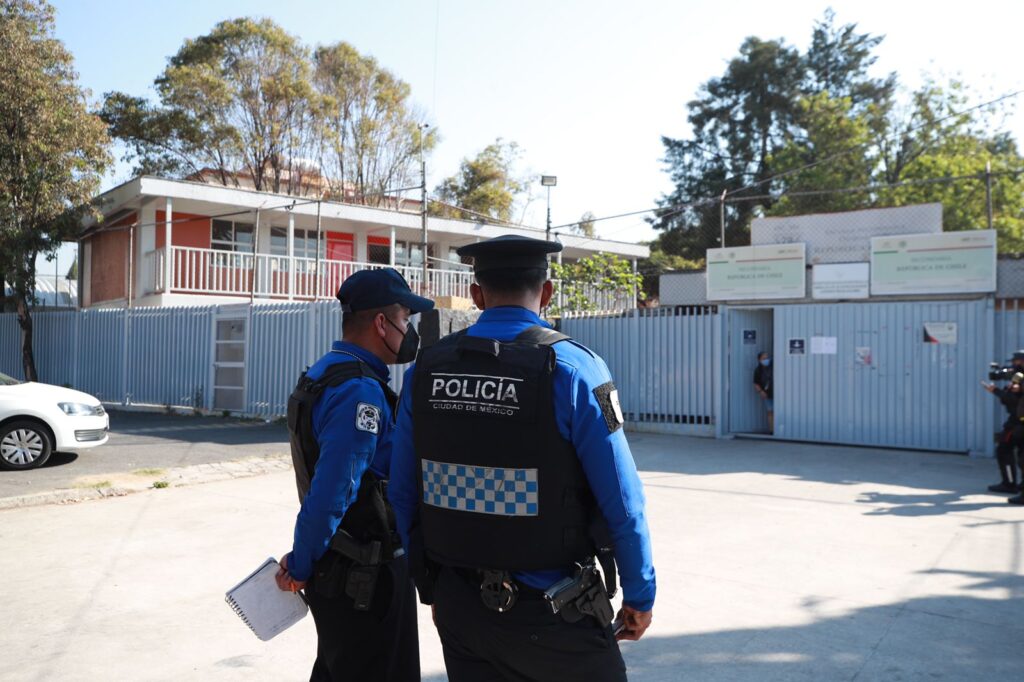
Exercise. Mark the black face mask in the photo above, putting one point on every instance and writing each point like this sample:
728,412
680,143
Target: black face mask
410,344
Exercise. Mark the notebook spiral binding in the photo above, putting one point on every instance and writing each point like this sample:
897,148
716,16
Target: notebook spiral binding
241,614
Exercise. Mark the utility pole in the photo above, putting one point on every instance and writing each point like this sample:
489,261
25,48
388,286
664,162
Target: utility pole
423,209
548,181
722,217
988,192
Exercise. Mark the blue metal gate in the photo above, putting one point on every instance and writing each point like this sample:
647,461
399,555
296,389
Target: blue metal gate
866,374
665,363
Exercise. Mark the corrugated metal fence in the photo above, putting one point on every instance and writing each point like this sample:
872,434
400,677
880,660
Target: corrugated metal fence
898,390
164,356
664,362
678,370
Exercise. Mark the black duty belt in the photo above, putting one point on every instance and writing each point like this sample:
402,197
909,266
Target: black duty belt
573,598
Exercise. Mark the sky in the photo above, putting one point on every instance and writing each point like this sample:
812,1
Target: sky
587,88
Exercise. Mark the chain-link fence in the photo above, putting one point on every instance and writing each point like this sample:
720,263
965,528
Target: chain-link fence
983,200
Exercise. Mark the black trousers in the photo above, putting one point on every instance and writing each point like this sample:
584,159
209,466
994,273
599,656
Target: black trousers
1006,456
379,644
528,643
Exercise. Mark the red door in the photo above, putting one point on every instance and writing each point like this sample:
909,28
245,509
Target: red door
340,246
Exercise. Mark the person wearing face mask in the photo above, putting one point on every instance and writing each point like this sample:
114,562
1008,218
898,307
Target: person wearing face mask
515,491
764,386
346,554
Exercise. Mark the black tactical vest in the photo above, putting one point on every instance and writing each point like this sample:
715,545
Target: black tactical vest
500,487
369,517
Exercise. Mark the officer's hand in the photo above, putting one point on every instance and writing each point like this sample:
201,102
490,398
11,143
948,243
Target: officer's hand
285,582
991,388
635,623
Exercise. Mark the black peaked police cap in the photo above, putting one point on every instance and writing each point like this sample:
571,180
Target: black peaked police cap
369,289
509,251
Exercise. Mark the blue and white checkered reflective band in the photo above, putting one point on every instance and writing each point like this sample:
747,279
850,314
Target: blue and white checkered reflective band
508,492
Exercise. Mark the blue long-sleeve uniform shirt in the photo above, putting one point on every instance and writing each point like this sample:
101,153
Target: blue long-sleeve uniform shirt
348,446
606,459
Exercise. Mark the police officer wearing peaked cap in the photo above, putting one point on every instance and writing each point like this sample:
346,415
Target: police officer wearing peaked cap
510,472
345,552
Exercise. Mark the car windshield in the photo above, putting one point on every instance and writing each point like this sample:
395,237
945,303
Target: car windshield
8,381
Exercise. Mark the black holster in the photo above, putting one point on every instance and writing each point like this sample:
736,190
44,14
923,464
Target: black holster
582,594
350,567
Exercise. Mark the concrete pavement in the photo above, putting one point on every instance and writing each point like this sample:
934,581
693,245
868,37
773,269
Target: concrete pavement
150,445
775,562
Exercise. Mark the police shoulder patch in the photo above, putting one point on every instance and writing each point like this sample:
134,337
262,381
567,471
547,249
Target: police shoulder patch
368,418
608,400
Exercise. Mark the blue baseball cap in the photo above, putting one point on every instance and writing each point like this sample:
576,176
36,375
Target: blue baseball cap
369,289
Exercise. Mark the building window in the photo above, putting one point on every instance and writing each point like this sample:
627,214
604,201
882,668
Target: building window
305,243
227,235
457,262
411,254
378,253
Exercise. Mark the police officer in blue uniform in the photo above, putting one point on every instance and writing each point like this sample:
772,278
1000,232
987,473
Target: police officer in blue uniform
346,554
511,480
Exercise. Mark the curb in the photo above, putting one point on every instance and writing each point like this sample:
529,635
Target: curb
174,478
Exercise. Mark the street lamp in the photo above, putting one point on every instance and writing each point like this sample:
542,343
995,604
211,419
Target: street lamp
548,181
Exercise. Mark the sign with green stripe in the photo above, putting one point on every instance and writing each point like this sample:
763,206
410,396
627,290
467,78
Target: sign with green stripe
947,263
754,273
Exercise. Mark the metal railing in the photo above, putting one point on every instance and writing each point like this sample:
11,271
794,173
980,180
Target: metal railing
229,273
265,276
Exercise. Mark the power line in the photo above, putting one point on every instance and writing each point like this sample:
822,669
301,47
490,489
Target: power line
902,133
679,208
666,211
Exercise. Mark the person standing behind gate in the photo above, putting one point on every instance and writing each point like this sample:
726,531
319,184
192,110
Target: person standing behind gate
508,449
345,552
764,386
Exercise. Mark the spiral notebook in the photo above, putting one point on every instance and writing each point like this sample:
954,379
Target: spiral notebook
267,610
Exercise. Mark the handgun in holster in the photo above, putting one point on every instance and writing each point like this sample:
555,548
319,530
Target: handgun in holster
351,567
581,594
366,558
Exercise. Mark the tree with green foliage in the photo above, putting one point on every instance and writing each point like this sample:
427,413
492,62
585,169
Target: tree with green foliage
830,151
235,100
371,134
586,226
486,186
53,152
580,285
659,263
741,123
784,133
249,102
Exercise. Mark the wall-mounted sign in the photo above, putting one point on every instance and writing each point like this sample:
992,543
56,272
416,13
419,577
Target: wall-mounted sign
797,346
862,356
747,273
840,281
846,237
948,263
940,332
749,337
824,345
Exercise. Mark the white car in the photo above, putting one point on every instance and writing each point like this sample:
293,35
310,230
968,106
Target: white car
37,419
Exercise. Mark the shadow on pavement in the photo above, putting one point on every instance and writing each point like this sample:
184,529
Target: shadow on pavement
928,505
962,638
59,459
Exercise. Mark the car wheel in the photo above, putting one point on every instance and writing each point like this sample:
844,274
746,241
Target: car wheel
24,445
